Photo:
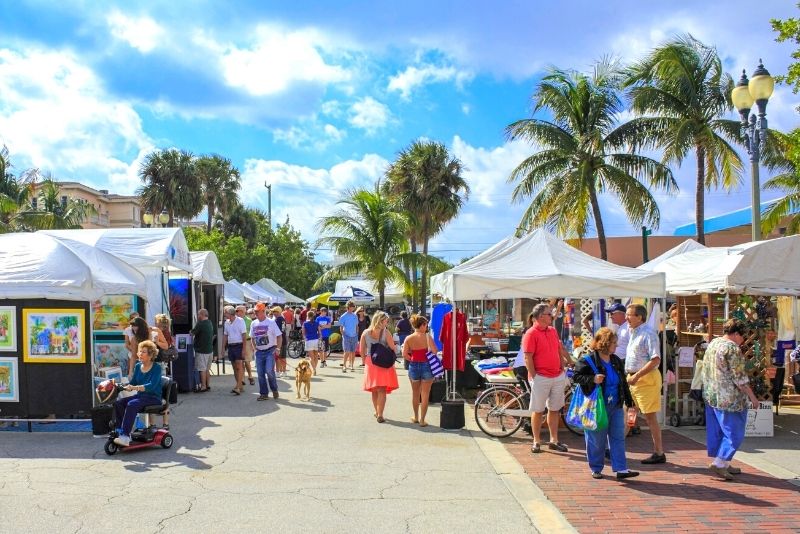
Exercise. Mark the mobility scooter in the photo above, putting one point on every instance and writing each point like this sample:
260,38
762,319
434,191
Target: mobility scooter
150,435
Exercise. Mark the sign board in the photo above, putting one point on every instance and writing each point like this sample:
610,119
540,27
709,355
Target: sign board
686,357
759,422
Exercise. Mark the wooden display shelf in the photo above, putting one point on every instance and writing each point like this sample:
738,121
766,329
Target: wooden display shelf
694,333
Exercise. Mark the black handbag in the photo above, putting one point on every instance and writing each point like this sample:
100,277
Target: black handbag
170,354
382,356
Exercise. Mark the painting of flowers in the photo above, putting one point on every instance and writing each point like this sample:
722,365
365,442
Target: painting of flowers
54,336
9,380
8,328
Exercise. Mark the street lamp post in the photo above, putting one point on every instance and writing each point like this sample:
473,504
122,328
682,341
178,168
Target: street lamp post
163,218
147,219
757,90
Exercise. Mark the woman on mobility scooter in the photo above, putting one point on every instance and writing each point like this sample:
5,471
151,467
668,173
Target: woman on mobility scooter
146,381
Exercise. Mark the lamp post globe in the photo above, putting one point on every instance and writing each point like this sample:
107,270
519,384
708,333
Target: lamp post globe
147,219
163,218
756,90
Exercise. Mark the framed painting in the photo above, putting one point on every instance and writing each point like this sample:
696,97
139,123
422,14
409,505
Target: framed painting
53,336
112,373
9,380
111,353
110,313
8,328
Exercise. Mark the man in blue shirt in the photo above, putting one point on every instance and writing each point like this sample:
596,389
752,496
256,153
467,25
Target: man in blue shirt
348,324
324,321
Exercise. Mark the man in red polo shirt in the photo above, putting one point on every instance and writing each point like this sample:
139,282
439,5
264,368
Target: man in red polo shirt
545,358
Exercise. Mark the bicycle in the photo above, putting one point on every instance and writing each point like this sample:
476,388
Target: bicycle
502,409
297,347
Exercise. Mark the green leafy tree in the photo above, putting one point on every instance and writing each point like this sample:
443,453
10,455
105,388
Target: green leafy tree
789,30
787,181
681,96
247,223
371,235
171,184
15,192
53,211
220,184
581,156
426,182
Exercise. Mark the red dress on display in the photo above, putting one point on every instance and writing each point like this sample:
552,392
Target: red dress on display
446,338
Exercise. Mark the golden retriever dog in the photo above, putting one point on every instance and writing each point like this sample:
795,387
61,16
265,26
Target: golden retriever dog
302,377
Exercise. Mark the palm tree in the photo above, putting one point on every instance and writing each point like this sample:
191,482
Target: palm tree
788,180
15,192
426,182
170,184
682,96
220,184
370,233
580,157
53,211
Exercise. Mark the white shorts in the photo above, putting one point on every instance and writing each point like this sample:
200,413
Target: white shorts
547,392
202,362
312,344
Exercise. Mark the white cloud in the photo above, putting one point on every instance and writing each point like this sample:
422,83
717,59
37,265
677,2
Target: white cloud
466,109
55,115
276,59
369,114
310,133
305,194
413,77
142,33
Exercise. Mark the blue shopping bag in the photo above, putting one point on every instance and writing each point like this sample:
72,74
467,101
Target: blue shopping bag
588,411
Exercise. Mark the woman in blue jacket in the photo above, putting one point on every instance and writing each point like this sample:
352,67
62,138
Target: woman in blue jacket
146,381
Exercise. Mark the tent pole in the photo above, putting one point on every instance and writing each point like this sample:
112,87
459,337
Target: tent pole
727,303
454,331
665,387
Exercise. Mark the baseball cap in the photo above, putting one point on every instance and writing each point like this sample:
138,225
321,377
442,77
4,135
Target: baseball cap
276,309
260,306
616,307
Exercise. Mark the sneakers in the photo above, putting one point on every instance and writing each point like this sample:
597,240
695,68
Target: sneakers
734,470
597,474
262,397
557,446
275,394
655,459
721,472
123,440
622,475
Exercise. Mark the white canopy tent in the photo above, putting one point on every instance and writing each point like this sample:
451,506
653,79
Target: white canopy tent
236,293
152,251
540,265
36,265
438,281
263,295
287,298
686,246
206,268
757,268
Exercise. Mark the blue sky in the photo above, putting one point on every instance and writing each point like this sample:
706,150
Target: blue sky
318,97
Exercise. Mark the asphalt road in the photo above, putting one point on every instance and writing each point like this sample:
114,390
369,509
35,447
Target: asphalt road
275,466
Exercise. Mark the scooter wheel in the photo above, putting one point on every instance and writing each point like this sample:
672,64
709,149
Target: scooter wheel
166,441
675,420
111,448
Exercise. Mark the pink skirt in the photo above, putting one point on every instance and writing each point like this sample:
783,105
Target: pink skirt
379,377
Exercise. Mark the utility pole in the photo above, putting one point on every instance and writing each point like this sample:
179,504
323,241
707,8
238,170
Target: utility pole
645,233
269,204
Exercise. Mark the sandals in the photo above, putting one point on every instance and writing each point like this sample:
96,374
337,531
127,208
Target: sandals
423,424
381,419
252,381
235,391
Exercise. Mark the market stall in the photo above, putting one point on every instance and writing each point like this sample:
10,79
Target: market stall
284,297
540,265
716,283
49,288
158,253
236,293
263,295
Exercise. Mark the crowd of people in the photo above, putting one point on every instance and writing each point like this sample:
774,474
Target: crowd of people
624,362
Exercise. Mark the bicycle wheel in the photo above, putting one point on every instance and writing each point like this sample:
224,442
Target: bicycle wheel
491,411
296,348
567,400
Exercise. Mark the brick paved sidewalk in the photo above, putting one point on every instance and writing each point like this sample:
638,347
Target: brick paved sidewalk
680,496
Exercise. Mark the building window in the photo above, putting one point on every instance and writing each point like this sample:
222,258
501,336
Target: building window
63,201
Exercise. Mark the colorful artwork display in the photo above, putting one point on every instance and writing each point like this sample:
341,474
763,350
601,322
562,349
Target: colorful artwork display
9,380
179,301
110,313
54,336
8,328
111,353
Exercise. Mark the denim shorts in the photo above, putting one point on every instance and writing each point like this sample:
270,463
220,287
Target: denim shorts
349,343
419,371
